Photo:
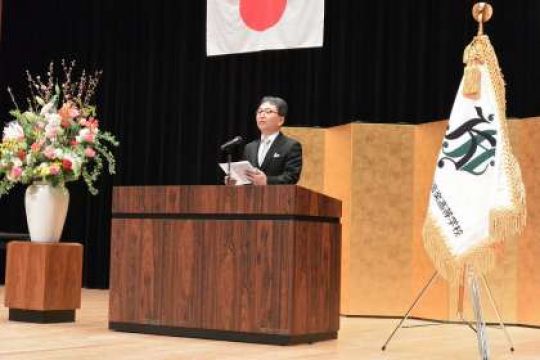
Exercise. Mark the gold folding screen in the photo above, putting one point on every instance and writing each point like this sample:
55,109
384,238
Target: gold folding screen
382,173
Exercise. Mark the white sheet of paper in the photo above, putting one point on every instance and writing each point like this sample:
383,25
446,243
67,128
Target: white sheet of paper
238,171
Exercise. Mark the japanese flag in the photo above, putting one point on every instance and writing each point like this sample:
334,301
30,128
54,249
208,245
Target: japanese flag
239,26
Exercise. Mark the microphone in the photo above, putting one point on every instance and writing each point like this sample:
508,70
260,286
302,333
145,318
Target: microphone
236,141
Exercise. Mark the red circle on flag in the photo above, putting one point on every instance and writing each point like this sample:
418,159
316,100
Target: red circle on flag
260,15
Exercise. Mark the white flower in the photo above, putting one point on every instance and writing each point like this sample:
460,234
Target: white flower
13,131
52,132
53,120
48,109
30,159
58,153
17,162
53,129
83,133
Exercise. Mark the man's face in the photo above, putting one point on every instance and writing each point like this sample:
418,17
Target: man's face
268,119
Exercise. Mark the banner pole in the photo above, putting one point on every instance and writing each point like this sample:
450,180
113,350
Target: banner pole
481,333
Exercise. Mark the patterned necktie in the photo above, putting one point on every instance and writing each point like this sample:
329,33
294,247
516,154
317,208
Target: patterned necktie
263,149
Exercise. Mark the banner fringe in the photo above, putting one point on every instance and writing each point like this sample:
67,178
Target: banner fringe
507,223
449,266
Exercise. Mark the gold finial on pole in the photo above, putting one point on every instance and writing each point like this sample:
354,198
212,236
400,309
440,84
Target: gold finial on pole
482,13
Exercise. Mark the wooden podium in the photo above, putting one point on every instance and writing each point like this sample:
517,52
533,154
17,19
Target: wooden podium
252,263
43,281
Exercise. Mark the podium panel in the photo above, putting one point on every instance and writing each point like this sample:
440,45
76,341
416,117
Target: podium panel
255,264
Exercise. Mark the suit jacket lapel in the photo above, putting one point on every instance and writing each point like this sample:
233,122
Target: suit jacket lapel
253,155
275,145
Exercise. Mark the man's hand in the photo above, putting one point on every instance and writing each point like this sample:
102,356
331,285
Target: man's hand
257,177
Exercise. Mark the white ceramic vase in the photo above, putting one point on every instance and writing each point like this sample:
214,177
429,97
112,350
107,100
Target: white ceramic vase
46,210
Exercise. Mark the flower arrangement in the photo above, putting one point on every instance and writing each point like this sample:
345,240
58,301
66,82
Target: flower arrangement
57,139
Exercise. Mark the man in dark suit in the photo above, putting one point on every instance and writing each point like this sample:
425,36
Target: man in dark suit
278,158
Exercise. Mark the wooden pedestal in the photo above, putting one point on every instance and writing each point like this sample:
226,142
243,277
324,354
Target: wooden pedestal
43,281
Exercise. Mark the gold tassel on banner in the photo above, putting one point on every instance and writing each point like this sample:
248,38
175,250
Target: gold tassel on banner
472,78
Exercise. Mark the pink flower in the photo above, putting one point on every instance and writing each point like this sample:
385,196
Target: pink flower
89,138
54,169
68,111
36,146
51,133
92,123
66,123
82,122
16,172
73,112
49,152
89,152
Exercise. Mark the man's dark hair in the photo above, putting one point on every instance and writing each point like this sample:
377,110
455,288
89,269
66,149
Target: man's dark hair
279,103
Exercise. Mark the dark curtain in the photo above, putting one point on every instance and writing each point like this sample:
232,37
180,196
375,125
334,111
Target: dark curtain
171,106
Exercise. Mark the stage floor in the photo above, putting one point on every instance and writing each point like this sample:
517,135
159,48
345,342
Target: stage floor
359,338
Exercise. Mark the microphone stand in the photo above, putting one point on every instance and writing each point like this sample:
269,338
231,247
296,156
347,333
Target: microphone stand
229,160
228,149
